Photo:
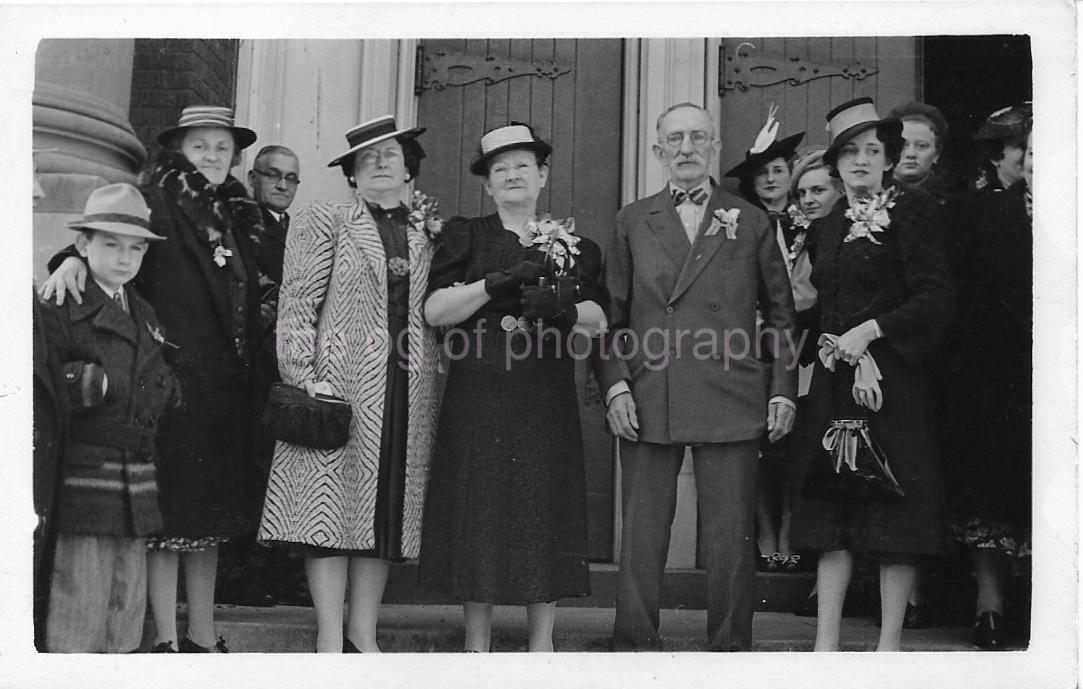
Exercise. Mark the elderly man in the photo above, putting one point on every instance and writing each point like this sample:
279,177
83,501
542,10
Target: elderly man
274,178
692,270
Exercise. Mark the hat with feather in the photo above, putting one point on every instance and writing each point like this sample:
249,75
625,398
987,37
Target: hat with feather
766,148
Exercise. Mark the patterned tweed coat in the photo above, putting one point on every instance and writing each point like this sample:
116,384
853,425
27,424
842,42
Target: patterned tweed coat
332,326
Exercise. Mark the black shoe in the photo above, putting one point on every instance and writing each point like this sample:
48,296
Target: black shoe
917,617
989,631
349,646
189,646
808,607
164,647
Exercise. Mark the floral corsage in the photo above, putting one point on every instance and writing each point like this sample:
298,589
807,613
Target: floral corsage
221,253
870,215
724,220
556,239
424,215
156,334
398,266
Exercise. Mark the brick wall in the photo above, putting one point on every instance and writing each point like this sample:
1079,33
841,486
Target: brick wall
169,74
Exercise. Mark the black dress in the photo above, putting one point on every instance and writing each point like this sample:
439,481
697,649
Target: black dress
903,283
505,514
988,405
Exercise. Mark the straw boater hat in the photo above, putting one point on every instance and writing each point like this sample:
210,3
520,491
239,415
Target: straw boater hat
765,148
852,118
209,116
375,131
116,208
1010,121
515,135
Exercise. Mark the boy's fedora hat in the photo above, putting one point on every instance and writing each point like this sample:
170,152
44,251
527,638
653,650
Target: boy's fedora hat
116,208
852,118
209,116
373,132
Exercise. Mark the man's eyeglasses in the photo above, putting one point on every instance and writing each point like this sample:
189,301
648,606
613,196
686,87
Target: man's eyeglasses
276,176
699,138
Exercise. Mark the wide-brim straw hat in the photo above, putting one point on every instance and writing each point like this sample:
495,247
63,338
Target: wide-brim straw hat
116,208
373,132
783,148
514,136
1006,122
852,118
209,116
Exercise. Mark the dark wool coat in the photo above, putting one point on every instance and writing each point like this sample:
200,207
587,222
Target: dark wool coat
211,313
108,478
903,283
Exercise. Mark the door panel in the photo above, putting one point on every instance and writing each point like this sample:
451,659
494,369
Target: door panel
576,105
891,79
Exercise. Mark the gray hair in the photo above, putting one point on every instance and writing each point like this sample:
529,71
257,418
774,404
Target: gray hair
275,149
678,106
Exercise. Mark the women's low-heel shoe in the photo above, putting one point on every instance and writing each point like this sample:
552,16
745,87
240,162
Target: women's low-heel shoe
349,646
189,646
164,647
989,631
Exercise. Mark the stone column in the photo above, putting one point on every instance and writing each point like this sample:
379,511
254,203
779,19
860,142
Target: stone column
81,132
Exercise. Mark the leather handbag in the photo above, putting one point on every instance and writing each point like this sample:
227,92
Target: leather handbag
321,422
851,465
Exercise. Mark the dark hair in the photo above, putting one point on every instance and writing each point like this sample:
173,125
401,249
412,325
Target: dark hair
993,151
539,156
926,114
177,140
746,186
412,153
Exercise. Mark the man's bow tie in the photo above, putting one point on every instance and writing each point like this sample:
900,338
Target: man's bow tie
696,196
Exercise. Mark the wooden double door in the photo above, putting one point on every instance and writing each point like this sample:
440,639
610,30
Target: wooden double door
570,91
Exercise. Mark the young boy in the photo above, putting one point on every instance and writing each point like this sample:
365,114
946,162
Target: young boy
107,498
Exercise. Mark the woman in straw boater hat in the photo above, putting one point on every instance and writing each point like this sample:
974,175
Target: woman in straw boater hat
885,300
203,283
505,518
355,272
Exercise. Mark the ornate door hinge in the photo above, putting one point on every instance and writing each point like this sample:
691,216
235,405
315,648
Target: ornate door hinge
441,69
740,70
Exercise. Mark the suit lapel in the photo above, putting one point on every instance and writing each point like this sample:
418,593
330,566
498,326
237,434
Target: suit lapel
703,250
666,225
104,314
365,236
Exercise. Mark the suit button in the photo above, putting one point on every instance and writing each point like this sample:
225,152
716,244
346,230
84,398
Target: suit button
161,381
669,309
714,307
141,383
70,376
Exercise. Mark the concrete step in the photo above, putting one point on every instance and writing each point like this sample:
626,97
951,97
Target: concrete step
681,588
438,629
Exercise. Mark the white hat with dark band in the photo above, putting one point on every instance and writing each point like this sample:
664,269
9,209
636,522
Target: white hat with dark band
853,117
116,208
509,138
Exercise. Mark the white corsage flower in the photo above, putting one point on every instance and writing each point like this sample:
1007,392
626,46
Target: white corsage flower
870,215
724,220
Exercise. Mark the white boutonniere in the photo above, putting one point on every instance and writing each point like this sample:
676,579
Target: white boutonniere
156,334
557,239
424,215
870,215
221,253
724,220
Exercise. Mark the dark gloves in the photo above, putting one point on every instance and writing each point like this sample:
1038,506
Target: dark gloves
86,382
505,281
545,304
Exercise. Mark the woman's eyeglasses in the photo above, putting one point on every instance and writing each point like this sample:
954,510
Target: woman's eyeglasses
276,176
389,155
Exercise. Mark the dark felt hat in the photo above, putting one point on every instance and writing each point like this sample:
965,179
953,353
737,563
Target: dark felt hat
209,116
783,148
1010,121
373,132
852,118
514,136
